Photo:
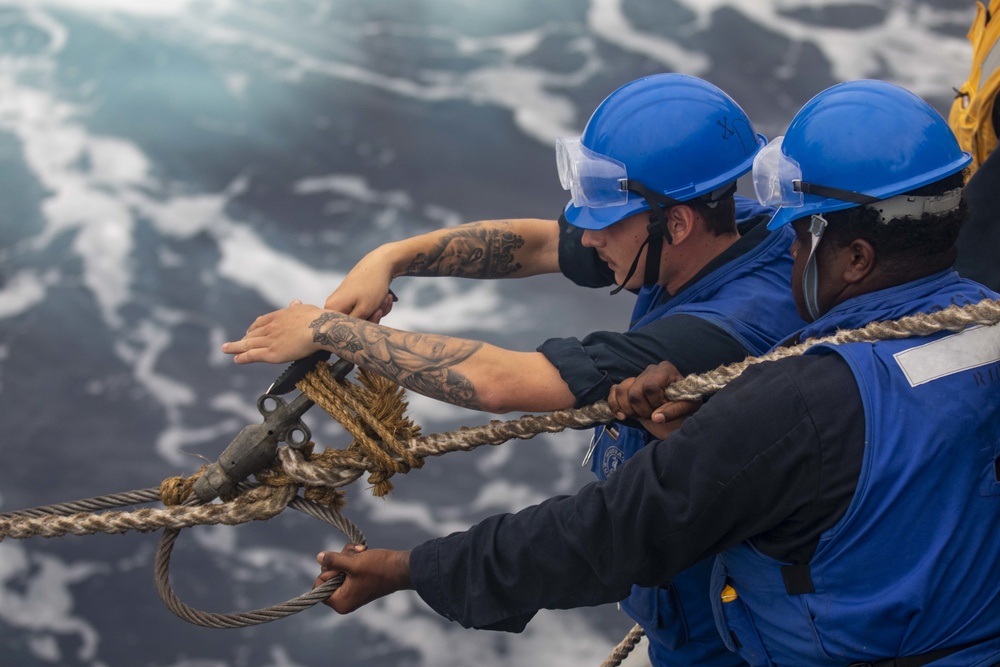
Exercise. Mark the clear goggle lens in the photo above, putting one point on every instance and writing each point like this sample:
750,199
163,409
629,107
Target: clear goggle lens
593,180
774,177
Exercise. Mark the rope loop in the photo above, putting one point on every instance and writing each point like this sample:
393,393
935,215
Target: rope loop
161,571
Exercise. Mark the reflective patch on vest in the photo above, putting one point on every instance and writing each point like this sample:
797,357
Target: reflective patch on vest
972,348
990,64
613,457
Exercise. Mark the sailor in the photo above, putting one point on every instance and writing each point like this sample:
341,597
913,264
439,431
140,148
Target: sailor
851,493
975,118
653,209
974,114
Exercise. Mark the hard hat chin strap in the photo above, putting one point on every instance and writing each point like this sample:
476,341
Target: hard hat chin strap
656,232
810,275
654,241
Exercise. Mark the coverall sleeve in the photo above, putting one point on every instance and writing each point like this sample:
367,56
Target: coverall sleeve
746,464
590,366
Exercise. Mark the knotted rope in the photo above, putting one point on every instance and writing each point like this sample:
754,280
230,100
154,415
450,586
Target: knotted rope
374,412
385,443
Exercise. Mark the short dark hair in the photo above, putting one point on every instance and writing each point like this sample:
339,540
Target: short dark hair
904,244
720,218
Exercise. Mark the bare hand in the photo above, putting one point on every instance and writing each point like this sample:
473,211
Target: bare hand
642,398
365,291
277,337
638,397
370,575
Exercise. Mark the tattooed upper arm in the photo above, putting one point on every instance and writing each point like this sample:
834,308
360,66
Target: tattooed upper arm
482,250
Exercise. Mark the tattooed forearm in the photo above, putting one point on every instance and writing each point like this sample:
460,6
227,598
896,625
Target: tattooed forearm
483,250
338,334
421,362
446,385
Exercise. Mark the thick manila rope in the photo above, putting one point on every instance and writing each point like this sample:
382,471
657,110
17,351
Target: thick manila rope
342,467
378,451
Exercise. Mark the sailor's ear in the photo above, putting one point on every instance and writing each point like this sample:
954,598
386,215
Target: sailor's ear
858,261
681,221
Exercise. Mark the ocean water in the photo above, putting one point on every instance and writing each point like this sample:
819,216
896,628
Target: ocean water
170,170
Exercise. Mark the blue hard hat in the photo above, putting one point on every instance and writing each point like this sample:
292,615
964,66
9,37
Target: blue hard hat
853,144
677,135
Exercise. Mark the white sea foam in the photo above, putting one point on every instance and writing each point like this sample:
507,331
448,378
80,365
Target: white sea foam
607,20
249,262
918,58
176,440
100,185
355,187
278,657
429,411
25,290
527,92
412,512
905,43
41,601
567,447
144,9
57,150
199,662
279,561
235,403
216,539
557,639
502,495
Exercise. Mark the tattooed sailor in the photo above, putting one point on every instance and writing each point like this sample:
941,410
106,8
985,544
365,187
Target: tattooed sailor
652,182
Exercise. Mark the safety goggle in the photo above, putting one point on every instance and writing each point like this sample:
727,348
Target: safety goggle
775,176
594,180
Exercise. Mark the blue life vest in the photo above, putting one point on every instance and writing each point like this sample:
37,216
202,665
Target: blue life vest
911,568
749,298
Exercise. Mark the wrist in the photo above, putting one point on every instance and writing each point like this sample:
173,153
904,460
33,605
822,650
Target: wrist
403,571
394,256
